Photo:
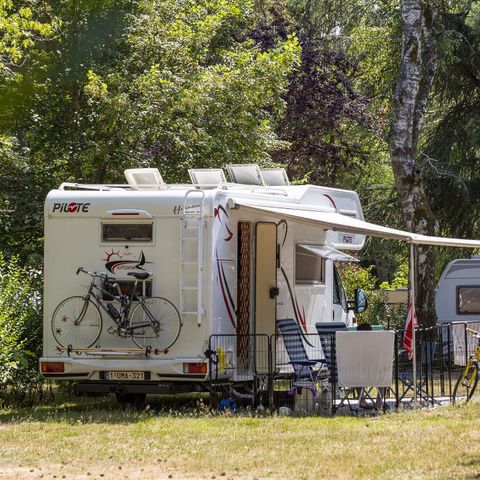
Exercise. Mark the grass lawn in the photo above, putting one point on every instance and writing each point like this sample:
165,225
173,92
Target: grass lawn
94,439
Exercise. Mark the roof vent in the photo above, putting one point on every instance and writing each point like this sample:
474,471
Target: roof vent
206,177
248,174
144,179
275,177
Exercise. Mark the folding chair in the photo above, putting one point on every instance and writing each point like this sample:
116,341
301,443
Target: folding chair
364,359
304,373
326,332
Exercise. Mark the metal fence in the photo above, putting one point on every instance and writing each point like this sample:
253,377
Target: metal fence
297,372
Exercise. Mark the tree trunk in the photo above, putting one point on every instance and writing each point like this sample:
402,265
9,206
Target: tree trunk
417,69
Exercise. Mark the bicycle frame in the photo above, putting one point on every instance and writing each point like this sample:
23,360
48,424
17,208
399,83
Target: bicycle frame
124,300
476,354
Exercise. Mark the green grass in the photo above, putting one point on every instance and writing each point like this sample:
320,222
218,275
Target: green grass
93,438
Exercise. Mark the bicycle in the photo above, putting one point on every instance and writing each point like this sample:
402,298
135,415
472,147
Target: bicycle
154,323
468,380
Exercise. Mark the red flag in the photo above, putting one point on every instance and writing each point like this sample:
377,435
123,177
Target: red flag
408,336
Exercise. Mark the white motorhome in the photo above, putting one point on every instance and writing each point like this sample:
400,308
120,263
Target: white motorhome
231,257
457,296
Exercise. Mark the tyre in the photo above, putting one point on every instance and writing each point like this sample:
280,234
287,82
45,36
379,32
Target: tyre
155,323
466,383
76,322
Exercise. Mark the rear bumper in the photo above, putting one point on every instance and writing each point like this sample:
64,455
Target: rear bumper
93,369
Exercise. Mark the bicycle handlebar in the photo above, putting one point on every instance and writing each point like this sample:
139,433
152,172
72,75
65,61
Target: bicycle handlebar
92,274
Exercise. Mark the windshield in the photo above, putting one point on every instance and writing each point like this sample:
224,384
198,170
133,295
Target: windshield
339,296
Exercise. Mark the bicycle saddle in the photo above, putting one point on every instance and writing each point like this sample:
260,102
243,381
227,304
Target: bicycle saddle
139,275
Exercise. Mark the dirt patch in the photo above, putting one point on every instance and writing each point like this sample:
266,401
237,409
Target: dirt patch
115,472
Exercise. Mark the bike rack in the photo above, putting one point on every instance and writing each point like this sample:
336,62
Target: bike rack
148,351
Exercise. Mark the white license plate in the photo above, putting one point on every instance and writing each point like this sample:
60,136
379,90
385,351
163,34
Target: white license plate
125,375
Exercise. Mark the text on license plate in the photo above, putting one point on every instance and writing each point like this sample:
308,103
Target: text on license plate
125,375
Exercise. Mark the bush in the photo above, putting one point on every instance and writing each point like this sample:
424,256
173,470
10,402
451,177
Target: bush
20,328
354,276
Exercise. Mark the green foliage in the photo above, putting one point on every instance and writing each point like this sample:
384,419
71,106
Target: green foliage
20,327
22,24
400,280
167,84
193,92
354,276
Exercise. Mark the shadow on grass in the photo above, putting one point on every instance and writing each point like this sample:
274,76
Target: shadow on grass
70,409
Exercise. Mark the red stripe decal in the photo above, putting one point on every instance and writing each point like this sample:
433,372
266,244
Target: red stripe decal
331,200
225,301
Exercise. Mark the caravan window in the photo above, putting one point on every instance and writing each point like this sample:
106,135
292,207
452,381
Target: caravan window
339,296
468,299
127,232
309,268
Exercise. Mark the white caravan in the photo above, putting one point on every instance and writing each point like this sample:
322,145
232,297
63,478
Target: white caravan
457,296
231,259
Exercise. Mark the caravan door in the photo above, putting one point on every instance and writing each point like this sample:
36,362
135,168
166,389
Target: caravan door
265,290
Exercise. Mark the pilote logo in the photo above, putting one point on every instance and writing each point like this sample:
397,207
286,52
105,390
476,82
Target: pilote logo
72,207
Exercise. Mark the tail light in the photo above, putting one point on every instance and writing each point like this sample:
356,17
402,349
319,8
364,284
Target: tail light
195,368
52,367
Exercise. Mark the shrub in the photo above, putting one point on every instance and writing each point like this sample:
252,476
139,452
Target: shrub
355,276
20,328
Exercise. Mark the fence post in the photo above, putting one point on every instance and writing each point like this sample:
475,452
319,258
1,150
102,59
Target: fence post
397,401
442,372
270,373
333,373
449,364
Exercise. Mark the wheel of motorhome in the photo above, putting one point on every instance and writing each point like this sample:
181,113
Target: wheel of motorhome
466,383
155,323
76,322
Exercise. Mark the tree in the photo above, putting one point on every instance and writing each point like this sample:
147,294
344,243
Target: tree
22,24
326,116
196,91
451,159
417,69
168,84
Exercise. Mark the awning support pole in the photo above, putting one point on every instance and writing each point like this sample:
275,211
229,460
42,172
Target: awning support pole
413,316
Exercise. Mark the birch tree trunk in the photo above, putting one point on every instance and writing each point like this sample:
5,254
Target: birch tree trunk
417,70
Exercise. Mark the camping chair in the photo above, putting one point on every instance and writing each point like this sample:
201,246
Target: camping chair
304,373
364,360
326,332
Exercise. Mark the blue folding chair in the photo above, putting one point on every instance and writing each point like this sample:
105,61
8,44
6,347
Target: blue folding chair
326,331
304,373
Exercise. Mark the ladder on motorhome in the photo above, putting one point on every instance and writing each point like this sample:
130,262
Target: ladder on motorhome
192,228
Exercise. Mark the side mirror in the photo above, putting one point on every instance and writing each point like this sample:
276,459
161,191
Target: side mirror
361,302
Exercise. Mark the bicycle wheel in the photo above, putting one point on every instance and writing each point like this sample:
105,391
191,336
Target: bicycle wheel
466,383
76,322
155,323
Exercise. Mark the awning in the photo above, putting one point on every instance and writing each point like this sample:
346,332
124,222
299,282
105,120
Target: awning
329,252
342,223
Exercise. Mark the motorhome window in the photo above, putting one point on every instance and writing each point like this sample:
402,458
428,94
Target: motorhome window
339,296
127,232
309,268
468,300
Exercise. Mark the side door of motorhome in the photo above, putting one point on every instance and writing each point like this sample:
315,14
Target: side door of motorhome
266,290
